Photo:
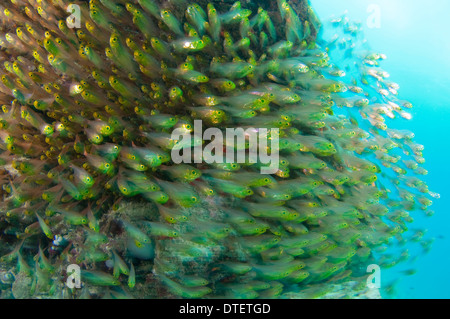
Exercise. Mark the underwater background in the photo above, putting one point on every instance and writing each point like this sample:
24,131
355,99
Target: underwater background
414,36
87,178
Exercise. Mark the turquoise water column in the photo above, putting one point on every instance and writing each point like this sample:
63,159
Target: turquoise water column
414,36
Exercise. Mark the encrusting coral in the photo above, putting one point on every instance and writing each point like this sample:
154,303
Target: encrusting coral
87,176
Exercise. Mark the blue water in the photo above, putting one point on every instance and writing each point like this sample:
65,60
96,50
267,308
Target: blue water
414,36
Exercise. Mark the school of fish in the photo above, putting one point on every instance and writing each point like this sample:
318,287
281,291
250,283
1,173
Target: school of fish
85,131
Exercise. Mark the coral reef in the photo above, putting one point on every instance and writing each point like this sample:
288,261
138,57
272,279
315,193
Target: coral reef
85,150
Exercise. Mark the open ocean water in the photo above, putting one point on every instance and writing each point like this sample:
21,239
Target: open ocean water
414,36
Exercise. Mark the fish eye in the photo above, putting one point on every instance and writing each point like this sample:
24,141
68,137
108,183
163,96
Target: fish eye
170,219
